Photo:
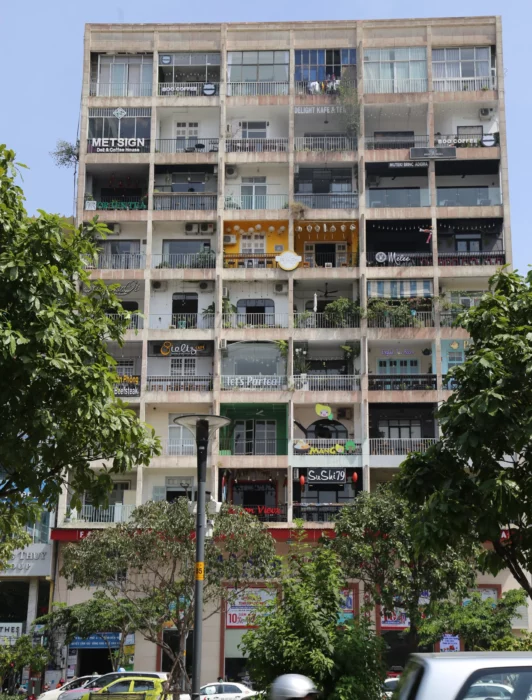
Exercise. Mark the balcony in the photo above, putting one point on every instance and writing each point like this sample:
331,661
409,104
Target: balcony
317,512
256,145
468,196
398,259
257,89
234,260
309,319
399,446
390,85
166,201
120,89
181,321
173,447
187,261
495,258
117,513
326,447
254,382
258,201
201,89
118,261
197,144
448,319
269,514
467,141
324,87
252,320
128,387
349,200
402,382
135,322
325,143
328,260
110,203
380,143
168,383
238,446
398,197
421,319
464,84
324,382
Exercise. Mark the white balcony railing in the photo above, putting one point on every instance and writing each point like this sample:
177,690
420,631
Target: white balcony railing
256,145
390,85
309,319
173,322
422,319
175,201
399,446
244,320
177,261
340,200
325,143
135,323
173,447
121,89
160,382
118,261
464,84
323,382
195,144
257,201
257,89
117,513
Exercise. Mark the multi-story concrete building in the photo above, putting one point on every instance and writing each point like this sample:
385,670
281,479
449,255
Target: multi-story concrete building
253,175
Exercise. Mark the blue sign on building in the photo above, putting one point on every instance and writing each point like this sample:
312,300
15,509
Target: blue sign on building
104,640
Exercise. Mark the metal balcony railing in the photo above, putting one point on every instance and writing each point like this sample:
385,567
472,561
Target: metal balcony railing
135,323
233,260
181,321
323,446
269,514
174,447
243,320
391,85
157,382
166,201
422,319
398,259
238,445
347,200
448,319
467,140
468,196
195,144
117,513
317,512
378,143
327,260
464,84
256,145
120,89
402,382
128,203
399,446
325,143
327,382
202,89
176,261
118,261
257,201
322,87
495,257
254,382
398,197
309,319
257,89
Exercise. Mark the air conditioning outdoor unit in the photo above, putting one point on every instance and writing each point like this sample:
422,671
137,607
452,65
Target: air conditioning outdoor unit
206,286
207,228
231,172
192,228
225,292
344,413
222,344
373,180
229,239
159,286
281,288
484,113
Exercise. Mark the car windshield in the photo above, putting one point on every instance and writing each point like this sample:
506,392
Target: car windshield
93,684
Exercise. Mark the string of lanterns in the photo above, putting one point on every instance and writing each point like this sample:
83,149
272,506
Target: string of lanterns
331,229
257,228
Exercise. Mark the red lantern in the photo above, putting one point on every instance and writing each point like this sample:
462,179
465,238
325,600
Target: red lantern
302,480
355,477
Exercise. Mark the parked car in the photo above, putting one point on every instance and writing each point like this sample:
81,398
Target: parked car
152,688
99,682
461,676
226,690
71,685
389,686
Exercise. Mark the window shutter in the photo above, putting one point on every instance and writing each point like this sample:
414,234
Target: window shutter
159,493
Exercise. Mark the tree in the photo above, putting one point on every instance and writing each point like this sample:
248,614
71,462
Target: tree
98,614
14,657
475,482
298,631
375,543
57,406
479,623
150,562
14,535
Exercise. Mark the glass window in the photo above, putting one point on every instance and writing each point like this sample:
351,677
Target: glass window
143,686
514,682
257,66
119,687
228,688
473,62
395,70
323,64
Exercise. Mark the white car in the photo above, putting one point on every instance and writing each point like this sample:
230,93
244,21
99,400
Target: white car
71,685
389,685
483,691
226,690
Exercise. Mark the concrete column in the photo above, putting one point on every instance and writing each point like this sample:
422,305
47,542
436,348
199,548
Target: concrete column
83,131
290,476
139,500
291,117
504,181
33,595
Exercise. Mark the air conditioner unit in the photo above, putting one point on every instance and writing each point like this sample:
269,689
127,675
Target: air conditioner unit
159,286
484,113
207,228
344,413
206,286
225,292
281,288
373,180
222,344
229,239
231,172
192,228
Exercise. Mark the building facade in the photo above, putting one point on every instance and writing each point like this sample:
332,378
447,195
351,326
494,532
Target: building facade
299,211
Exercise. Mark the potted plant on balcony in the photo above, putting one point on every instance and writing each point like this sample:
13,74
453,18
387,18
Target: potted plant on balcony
227,309
298,210
342,312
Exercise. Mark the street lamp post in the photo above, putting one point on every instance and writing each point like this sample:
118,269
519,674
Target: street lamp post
202,426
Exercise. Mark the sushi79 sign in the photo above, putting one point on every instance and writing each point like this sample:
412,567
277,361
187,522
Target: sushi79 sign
326,476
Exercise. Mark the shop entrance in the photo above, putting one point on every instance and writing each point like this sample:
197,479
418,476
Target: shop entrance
93,661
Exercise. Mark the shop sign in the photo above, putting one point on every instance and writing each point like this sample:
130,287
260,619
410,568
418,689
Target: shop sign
253,382
393,258
129,385
9,632
288,260
408,164
118,145
397,352
245,605
326,476
263,510
398,618
433,153
488,141
347,605
33,560
102,640
173,348
320,109
129,288
450,643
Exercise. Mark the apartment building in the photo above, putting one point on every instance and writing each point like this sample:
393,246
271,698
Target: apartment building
299,211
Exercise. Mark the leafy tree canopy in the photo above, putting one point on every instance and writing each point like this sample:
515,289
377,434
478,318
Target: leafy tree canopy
14,657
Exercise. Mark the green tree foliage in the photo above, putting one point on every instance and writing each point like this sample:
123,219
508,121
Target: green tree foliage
476,481
150,563
374,539
57,407
479,623
511,643
298,631
14,657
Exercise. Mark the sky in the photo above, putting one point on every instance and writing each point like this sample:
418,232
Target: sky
40,75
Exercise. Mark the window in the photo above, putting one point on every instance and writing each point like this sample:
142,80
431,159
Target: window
324,64
472,133
461,68
394,139
119,687
323,181
253,130
395,70
211,690
400,428
397,366
183,367
180,439
253,243
124,76
253,191
255,437
228,688
132,125
188,68
504,682
257,72
143,686
454,358
125,367
120,254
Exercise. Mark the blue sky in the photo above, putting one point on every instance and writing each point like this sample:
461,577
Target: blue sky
40,75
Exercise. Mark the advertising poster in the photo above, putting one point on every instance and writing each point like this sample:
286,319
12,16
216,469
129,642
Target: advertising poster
348,606
240,611
398,619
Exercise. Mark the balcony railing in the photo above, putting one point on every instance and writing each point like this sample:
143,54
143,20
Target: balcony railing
174,447
254,382
121,89
485,258
309,319
118,261
157,382
398,259
164,201
204,89
269,514
324,382
468,196
399,446
238,445
317,512
243,320
422,319
347,200
181,321
128,386
327,447
467,140
115,203
402,382
321,87
325,143
398,197
195,144
177,261
258,201
390,85
135,323
257,89
233,260
331,260
256,145
379,143
464,84
117,513
448,319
